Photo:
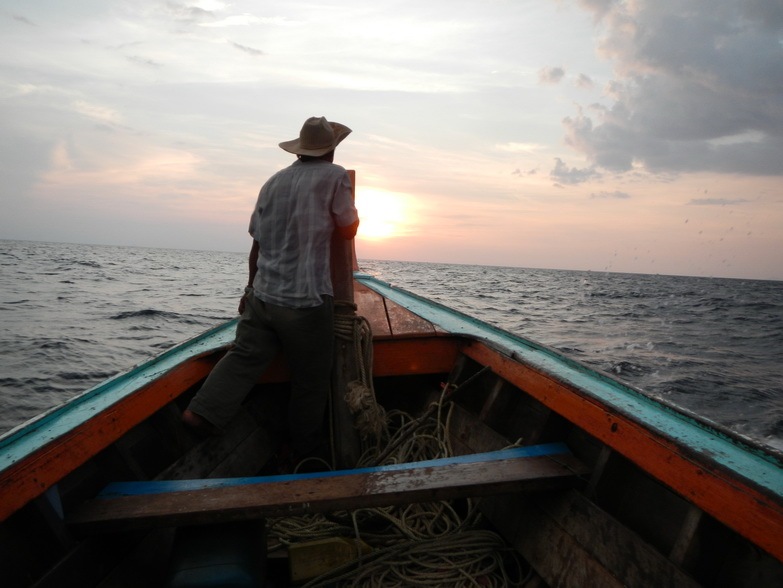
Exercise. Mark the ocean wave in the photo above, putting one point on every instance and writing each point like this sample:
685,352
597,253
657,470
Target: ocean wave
52,344
145,313
627,369
98,376
75,314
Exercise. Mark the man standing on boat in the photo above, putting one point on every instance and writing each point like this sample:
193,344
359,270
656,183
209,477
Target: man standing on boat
288,302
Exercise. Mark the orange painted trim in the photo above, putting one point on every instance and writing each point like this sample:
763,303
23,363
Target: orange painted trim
415,355
748,511
34,475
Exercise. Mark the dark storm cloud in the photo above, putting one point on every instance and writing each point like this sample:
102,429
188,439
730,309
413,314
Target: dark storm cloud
698,87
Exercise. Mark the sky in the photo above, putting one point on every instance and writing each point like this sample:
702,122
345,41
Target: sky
640,136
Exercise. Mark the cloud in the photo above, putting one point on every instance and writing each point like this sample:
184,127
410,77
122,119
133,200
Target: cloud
694,89
616,195
235,20
248,50
143,61
716,201
584,81
605,145
23,19
95,111
520,147
599,7
551,75
563,174
190,14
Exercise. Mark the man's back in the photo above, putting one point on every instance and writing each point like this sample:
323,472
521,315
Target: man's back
293,222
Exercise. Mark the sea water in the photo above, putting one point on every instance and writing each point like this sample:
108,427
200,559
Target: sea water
73,315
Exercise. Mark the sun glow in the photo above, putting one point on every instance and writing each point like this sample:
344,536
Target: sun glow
382,214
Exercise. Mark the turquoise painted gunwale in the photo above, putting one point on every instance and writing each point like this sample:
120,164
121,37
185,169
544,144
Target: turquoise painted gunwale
745,459
36,433
748,461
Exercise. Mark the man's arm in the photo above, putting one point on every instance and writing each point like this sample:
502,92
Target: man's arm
252,268
348,232
252,264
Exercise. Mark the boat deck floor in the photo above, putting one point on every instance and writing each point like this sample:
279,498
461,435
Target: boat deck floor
387,318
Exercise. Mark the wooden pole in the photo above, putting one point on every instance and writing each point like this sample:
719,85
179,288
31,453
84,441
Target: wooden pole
345,439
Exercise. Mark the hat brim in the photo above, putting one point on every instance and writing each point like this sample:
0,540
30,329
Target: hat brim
340,132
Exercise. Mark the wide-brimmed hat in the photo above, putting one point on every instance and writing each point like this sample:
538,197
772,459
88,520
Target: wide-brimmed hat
317,137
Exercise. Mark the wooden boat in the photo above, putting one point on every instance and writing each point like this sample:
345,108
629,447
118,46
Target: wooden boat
586,481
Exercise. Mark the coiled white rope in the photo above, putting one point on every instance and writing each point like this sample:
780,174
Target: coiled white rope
474,557
369,418
432,544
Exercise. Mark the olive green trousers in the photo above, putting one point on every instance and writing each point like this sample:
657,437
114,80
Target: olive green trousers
306,338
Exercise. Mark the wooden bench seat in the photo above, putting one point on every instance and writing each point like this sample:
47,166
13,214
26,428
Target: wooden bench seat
129,505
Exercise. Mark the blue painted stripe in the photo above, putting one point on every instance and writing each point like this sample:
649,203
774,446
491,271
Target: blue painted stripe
746,459
31,436
117,489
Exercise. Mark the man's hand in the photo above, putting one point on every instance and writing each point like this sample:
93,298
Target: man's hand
243,300
348,232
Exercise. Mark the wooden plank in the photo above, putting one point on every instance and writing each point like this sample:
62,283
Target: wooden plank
566,556
248,457
621,551
219,452
554,555
387,317
404,322
727,497
567,548
573,543
467,434
346,445
519,469
371,306
492,403
687,533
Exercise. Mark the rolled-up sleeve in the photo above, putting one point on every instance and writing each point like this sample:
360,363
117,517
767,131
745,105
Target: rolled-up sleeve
343,209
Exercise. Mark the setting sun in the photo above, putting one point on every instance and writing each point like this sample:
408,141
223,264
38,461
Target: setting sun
382,214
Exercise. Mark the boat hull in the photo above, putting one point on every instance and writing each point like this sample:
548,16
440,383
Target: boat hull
653,495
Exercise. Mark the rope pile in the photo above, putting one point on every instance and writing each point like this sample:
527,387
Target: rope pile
432,544
471,558
369,418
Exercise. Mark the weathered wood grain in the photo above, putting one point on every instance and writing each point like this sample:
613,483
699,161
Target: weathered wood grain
306,494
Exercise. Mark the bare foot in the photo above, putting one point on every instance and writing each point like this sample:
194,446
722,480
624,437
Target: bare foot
198,424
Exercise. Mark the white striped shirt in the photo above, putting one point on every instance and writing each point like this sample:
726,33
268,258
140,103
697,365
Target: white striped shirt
293,221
